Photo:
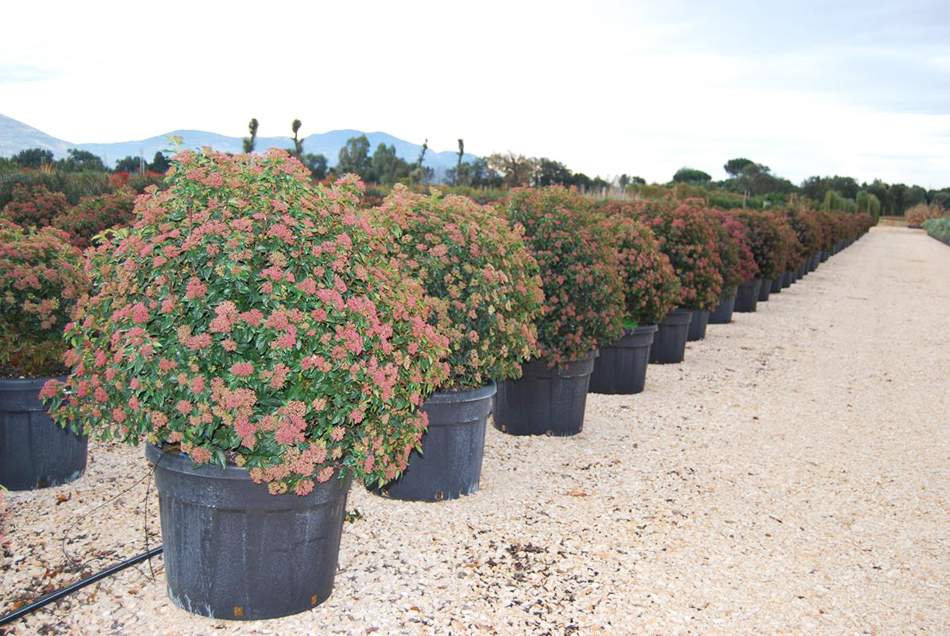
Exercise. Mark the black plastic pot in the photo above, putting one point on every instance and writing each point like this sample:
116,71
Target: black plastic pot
669,343
697,325
35,452
813,262
452,448
802,270
787,279
777,284
234,551
545,400
748,296
722,314
765,290
822,256
621,368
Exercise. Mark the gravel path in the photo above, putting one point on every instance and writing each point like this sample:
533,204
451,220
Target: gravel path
792,476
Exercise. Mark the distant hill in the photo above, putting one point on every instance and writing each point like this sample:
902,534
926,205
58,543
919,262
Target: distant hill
16,136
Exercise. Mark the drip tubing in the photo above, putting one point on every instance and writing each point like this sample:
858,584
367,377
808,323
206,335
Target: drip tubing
58,594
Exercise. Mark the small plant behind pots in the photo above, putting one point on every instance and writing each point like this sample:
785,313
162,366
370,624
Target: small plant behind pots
583,308
651,290
687,236
486,297
41,279
736,265
248,329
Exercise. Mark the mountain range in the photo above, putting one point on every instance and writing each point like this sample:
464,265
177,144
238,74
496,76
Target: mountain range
16,136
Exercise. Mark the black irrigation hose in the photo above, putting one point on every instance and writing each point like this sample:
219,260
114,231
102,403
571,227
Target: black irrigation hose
58,594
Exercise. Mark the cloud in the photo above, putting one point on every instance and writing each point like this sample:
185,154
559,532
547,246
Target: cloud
15,73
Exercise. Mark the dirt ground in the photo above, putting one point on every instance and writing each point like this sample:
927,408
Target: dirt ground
792,476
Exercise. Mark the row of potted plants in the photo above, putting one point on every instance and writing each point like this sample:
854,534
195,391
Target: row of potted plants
271,342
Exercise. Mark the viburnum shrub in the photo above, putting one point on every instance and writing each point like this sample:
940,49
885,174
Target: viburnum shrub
583,292
826,220
651,288
736,262
95,214
687,236
41,278
767,243
483,284
248,317
809,232
794,250
35,206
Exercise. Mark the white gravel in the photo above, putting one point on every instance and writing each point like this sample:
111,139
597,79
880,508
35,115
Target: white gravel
792,476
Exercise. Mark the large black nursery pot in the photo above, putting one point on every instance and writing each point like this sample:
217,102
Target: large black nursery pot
765,290
234,551
697,325
621,368
669,343
787,279
813,262
722,314
35,452
452,448
545,400
802,270
823,256
777,284
748,296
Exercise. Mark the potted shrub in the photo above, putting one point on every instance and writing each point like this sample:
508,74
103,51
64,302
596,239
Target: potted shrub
41,278
583,308
737,266
766,243
248,329
651,290
793,248
486,296
688,237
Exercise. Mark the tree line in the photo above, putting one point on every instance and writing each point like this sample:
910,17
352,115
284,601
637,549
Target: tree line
754,182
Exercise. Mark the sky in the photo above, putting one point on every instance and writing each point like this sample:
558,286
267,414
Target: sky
855,88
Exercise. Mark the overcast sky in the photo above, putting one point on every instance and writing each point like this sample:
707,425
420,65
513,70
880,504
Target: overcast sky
847,87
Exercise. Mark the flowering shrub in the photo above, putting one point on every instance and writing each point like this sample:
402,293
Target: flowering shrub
41,278
688,237
795,253
921,212
767,243
95,214
826,221
651,288
737,264
808,230
248,318
583,294
34,206
483,283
